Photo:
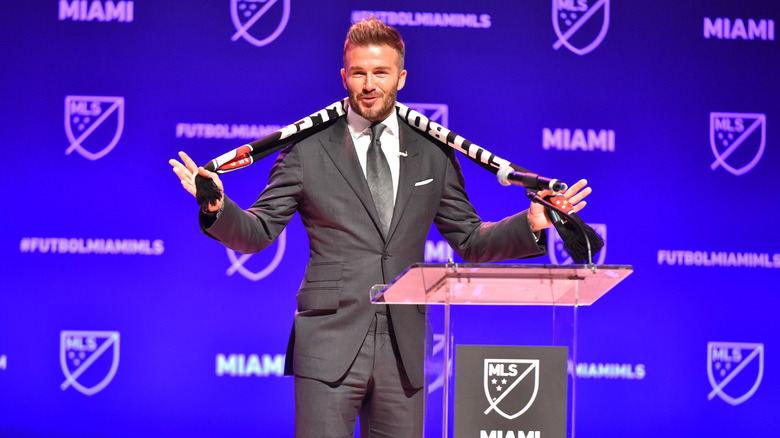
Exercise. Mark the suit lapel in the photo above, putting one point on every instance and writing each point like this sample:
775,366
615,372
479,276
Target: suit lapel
409,171
341,151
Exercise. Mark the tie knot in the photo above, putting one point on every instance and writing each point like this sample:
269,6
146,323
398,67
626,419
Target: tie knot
376,132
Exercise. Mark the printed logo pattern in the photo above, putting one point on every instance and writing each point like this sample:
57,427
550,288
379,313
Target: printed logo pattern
732,136
80,351
246,13
238,261
726,362
570,17
435,112
84,115
558,254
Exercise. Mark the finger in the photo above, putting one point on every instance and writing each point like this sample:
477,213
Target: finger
179,168
575,188
188,162
580,206
186,181
183,173
544,193
188,186
186,178
207,173
581,195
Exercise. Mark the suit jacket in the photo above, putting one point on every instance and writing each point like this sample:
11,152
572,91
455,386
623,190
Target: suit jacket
321,179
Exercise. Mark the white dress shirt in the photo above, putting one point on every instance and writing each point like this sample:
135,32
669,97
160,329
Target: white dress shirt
359,129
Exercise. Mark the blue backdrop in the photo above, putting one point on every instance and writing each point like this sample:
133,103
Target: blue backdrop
118,318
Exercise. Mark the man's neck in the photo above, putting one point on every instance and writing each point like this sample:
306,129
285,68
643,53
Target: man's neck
359,123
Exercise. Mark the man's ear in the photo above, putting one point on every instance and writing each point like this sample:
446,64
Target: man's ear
344,78
402,79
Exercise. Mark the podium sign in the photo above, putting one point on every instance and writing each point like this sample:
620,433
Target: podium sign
562,289
503,390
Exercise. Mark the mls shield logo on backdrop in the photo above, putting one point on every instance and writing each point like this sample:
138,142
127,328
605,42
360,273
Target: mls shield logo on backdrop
558,254
93,124
435,112
89,359
737,140
735,370
508,384
256,20
238,261
576,24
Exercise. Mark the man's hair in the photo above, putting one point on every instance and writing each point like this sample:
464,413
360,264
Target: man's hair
372,32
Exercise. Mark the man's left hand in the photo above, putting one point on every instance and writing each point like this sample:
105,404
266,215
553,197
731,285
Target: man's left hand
537,218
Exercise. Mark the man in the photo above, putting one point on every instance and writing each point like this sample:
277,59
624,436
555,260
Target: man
367,189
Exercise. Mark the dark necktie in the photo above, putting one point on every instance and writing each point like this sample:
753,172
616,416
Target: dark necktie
380,181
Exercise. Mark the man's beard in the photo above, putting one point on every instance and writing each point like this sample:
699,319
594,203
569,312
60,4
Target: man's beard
376,113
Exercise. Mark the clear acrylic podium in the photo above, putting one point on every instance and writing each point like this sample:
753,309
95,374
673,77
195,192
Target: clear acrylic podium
556,291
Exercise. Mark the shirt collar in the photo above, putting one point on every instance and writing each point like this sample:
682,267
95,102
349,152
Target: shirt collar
359,126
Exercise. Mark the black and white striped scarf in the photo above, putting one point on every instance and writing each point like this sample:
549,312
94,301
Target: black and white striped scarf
247,154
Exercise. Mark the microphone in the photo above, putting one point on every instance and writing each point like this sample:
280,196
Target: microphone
507,177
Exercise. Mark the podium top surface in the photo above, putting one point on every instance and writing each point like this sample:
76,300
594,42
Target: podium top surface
501,284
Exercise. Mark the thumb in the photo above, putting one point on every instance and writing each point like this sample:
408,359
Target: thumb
210,175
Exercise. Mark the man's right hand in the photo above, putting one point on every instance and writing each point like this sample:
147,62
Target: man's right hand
186,171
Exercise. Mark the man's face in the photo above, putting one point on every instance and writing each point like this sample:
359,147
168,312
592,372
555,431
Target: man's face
371,76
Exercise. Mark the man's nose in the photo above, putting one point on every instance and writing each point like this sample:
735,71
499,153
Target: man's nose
370,83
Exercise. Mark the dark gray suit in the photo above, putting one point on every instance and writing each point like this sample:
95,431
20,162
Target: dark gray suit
321,179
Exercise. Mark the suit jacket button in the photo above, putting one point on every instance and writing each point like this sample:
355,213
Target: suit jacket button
386,256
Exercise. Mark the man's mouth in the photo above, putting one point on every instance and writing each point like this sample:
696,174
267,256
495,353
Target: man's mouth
369,99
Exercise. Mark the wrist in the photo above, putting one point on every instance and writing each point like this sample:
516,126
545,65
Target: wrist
532,224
